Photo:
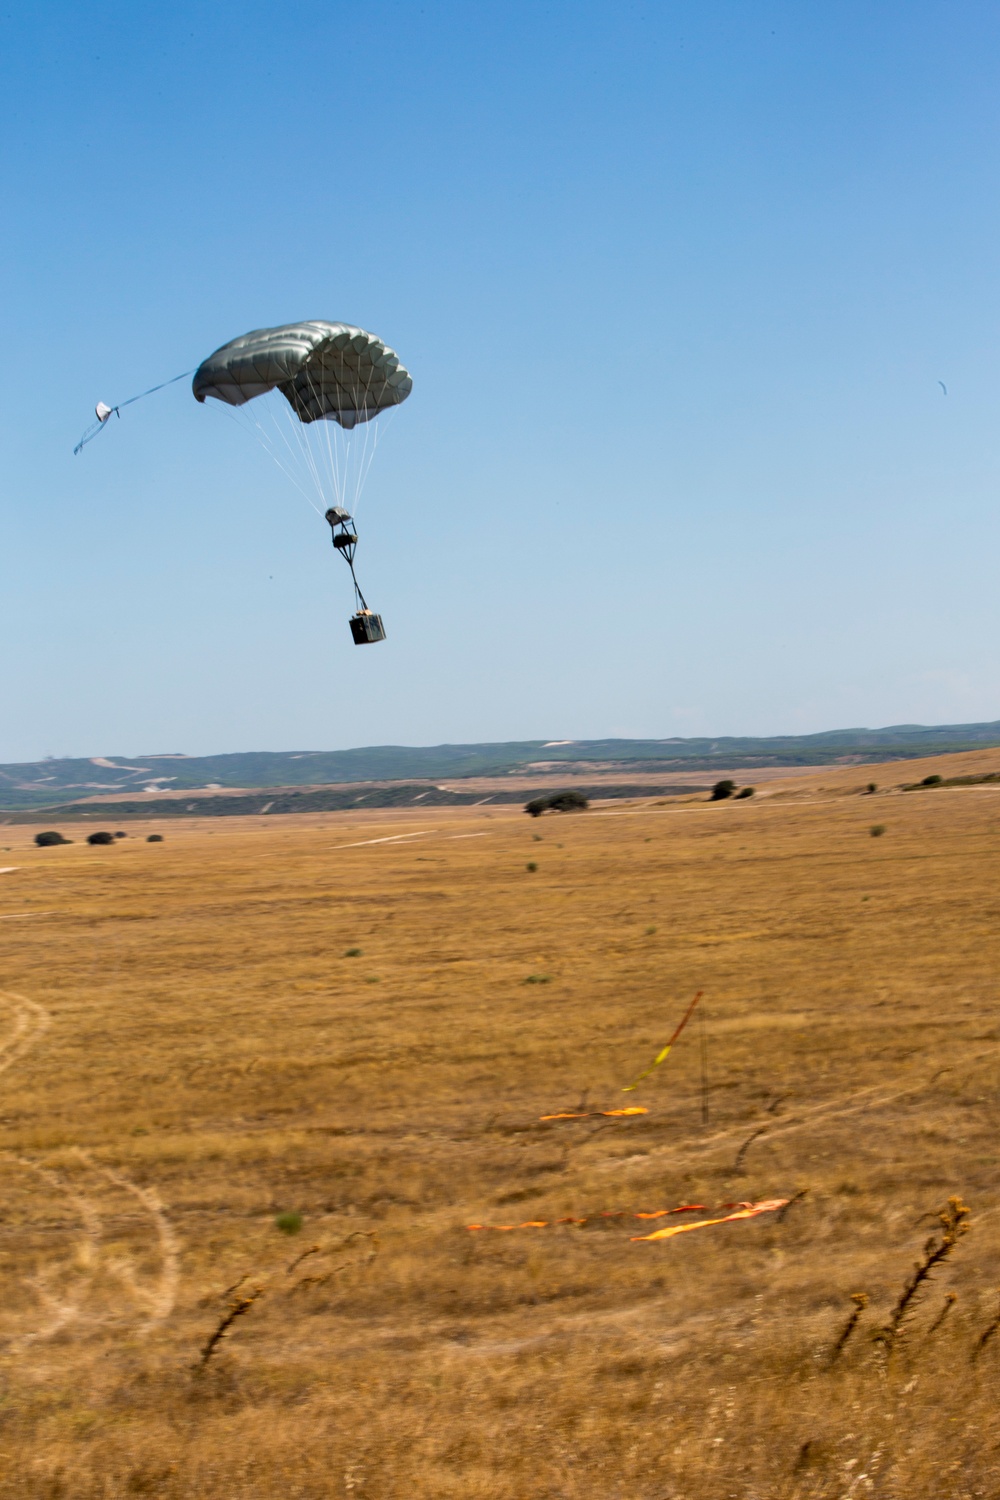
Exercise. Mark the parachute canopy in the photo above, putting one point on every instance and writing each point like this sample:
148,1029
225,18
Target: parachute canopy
326,371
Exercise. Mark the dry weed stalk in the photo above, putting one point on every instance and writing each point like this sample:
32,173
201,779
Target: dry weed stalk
954,1219
237,1309
741,1153
795,1198
985,1336
312,1250
860,1300
362,1260
949,1303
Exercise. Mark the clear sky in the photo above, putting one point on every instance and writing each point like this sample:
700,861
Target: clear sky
677,284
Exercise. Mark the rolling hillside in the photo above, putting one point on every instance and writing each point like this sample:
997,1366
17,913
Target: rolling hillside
52,782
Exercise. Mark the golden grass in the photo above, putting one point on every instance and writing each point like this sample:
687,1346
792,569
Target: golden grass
189,1054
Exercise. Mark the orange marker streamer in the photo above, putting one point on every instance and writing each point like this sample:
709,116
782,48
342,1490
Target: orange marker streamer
618,1213
662,1056
635,1109
749,1211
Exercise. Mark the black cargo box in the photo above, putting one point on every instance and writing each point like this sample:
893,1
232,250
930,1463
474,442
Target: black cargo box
367,628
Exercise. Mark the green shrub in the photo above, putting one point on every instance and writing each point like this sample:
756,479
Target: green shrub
48,839
872,787
932,781
531,866
877,830
100,837
354,953
288,1223
746,791
154,838
721,790
539,979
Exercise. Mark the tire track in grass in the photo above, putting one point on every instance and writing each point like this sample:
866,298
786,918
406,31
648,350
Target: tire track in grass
31,1020
64,1292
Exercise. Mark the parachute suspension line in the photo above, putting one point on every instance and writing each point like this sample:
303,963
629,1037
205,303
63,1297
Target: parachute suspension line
307,457
104,412
249,422
378,425
333,455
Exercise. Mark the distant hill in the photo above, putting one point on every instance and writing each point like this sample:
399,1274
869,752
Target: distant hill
51,782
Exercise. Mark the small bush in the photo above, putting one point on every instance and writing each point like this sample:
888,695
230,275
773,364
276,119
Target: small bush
932,781
121,835
531,866
154,838
354,953
288,1223
871,787
877,830
100,837
539,979
721,790
746,791
48,839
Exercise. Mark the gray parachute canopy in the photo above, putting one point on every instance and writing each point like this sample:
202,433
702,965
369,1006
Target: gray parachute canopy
327,372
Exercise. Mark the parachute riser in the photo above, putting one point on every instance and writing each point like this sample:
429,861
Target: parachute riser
346,543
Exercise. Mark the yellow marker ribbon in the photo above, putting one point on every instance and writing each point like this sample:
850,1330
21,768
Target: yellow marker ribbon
662,1056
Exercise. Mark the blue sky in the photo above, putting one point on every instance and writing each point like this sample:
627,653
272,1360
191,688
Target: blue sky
676,282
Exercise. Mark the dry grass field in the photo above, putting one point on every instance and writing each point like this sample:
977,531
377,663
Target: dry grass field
358,1021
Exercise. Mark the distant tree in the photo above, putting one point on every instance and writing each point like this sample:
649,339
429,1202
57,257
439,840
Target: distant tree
154,838
121,835
932,781
872,787
721,790
746,791
568,802
46,840
556,802
100,837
